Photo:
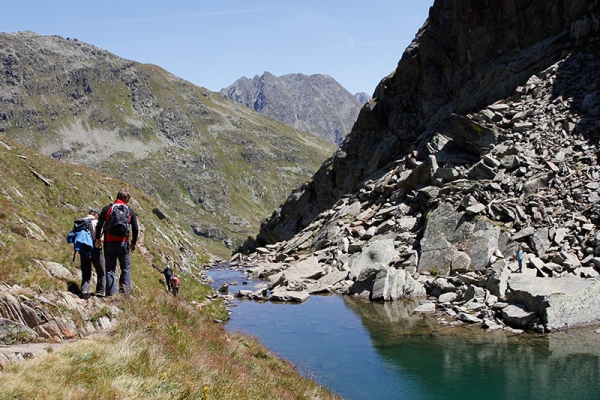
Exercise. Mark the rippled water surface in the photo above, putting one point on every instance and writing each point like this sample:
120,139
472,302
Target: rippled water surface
372,351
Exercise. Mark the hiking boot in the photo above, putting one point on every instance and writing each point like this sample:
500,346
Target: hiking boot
124,290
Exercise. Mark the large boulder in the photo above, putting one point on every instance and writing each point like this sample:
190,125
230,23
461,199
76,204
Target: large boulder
455,241
393,284
498,280
376,256
517,315
560,303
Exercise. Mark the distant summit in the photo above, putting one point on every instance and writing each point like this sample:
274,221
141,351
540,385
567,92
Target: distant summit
362,97
317,103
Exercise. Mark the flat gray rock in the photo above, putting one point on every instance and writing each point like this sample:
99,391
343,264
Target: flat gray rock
561,303
281,294
425,308
393,284
333,277
305,269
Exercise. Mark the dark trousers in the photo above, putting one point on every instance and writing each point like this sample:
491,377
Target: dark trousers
96,260
114,251
168,277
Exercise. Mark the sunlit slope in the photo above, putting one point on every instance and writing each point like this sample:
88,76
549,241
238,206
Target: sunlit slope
210,162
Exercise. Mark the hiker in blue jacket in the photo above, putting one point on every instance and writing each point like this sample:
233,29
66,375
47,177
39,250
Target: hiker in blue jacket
520,258
96,259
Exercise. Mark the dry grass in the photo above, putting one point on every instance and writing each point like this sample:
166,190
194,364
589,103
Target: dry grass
162,349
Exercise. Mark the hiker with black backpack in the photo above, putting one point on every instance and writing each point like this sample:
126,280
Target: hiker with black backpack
116,221
168,273
81,236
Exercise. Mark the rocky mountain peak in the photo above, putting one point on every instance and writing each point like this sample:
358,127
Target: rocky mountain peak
312,103
362,97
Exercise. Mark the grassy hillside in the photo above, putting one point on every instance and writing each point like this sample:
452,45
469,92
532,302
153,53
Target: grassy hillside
162,347
209,161
41,197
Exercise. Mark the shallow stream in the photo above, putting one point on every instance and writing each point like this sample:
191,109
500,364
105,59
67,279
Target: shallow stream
364,350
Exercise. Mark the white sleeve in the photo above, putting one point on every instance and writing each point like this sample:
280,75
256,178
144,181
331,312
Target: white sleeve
94,223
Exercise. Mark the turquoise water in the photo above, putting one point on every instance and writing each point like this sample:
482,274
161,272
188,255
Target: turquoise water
373,351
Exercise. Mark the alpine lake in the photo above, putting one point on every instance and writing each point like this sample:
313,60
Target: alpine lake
369,351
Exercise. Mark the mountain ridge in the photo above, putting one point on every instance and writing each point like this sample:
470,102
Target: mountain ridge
207,159
314,103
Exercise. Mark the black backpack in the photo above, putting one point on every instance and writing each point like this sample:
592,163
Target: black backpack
81,243
118,221
82,223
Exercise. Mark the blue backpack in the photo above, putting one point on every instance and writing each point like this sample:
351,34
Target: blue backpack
81,237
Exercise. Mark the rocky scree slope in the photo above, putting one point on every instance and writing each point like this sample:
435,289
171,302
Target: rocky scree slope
39,280
312,103
466,56
506,160
211,162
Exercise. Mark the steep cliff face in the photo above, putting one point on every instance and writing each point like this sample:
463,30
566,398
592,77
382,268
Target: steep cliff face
467,55
484,141
316,103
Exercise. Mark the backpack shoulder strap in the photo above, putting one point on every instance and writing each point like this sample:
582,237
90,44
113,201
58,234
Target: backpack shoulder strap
108,211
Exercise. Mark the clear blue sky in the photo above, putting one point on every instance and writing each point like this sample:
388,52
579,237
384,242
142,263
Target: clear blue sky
214,43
